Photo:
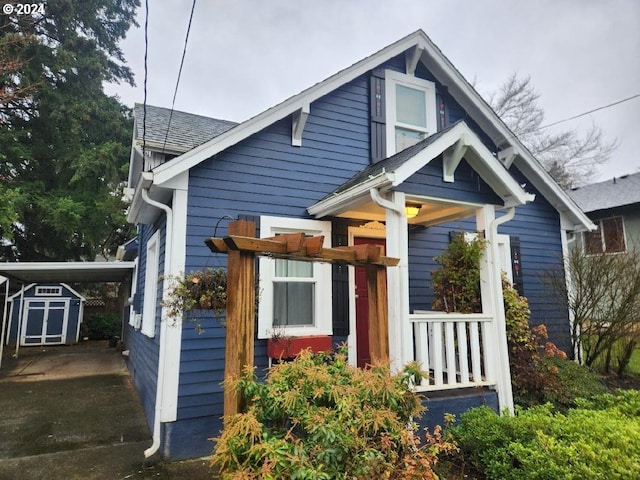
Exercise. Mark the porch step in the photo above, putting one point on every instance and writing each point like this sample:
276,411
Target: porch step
454,402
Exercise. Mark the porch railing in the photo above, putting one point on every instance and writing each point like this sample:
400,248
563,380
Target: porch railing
453,348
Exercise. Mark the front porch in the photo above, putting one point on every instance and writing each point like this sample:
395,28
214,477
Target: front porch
448,177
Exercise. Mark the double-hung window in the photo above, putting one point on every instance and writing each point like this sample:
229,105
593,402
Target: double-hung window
295,296
608,238
411,110
148,326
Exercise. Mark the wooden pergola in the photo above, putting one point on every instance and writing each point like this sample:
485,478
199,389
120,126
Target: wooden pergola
242,246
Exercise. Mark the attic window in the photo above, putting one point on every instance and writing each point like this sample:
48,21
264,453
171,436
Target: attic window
48,291
411,110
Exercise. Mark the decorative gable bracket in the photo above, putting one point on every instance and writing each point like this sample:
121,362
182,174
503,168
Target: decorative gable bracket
412,57
298,121
508,155
451,159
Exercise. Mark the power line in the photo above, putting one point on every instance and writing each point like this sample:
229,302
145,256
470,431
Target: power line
590,111
144,101
175,92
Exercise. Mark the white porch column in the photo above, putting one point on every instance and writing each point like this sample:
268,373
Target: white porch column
493,303
400,334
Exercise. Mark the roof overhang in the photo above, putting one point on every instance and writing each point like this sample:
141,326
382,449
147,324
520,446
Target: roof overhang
67,272
460,140
420,48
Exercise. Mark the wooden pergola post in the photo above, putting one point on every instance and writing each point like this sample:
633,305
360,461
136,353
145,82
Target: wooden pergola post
239,343
242,248
378,313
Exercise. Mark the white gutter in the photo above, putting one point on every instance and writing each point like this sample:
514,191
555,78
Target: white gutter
20,320
163,337
506,390
384,203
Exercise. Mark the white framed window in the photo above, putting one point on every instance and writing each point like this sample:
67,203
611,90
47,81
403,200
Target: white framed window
295,296
48,291
608,238
148,326
411,110
134,318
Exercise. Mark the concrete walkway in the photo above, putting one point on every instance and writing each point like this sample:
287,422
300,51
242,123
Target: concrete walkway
72,413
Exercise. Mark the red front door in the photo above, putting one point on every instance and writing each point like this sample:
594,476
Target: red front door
362,305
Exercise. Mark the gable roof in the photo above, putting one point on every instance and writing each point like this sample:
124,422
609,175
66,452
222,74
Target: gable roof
393,171
444,71
617,192
187,129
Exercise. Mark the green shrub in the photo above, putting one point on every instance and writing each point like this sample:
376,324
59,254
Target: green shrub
103,326
317,417
598,440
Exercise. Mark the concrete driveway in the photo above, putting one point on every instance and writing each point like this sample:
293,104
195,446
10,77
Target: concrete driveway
71,412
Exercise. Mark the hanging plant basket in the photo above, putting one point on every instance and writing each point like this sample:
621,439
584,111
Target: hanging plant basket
198,290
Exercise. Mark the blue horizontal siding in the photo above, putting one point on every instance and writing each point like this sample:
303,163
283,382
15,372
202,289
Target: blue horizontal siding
144,351
263,175
468,186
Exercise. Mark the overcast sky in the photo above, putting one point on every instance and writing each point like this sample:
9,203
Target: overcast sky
245,56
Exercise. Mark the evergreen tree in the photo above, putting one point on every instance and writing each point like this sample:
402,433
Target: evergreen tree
64,144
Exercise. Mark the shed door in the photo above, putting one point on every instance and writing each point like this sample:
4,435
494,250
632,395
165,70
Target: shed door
44,322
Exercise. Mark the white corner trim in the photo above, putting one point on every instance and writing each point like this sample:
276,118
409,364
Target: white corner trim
298,121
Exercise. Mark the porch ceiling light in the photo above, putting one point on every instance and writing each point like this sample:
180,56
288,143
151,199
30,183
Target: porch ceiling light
412,210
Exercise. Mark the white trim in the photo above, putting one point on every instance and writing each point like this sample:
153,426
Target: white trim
280,111
603,241
53,291
392,79
174,264
151,279
135,323
442,69
477,155
270,226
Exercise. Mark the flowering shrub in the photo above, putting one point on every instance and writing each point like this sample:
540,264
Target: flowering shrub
318,417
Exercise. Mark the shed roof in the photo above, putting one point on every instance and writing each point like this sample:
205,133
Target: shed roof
617,192
67,272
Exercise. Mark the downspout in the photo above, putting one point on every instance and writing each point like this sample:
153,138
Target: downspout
499,308
20,320
4,318
384,203
163,347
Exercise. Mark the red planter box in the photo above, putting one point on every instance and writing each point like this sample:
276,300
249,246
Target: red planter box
289,347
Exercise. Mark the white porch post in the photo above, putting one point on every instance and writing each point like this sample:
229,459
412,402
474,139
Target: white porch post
492,303
400,333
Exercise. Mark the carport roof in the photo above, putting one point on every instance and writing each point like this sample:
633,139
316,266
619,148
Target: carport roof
67,272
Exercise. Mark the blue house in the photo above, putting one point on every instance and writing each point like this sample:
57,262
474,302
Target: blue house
45,314
397,149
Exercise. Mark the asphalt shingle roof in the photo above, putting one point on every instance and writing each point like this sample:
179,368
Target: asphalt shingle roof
187,130
617,192
390,164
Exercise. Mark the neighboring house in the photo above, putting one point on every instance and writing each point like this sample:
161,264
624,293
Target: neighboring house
45,314
614,206
397,149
